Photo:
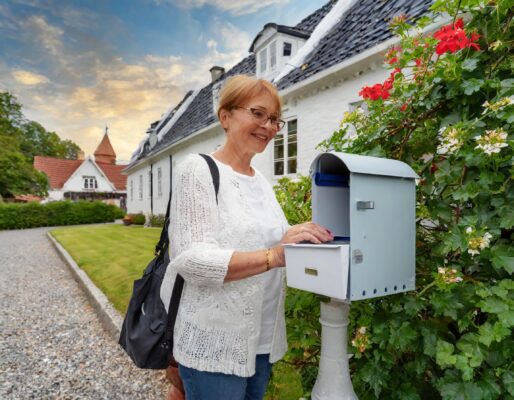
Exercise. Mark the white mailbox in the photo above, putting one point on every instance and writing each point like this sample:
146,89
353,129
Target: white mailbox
369,204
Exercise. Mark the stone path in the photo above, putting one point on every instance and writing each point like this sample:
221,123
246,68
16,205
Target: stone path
52,345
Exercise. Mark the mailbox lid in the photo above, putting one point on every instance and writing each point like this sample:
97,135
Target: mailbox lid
357,164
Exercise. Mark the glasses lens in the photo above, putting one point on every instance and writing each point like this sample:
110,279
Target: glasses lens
259,115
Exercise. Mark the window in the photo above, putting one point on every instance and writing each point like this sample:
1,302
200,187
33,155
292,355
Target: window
90,182
263,55
131,190
273,55
159,182
361,105
287,49
150,184
285,149
140,187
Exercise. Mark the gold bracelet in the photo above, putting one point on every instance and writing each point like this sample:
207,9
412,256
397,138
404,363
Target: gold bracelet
268,259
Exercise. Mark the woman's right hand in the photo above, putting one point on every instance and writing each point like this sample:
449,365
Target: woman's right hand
306,232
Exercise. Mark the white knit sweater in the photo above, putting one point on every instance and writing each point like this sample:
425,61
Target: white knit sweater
217,327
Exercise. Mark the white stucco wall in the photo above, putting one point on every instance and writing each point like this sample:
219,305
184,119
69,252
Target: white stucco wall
318,113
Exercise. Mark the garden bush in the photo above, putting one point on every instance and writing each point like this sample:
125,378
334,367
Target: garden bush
157,220
137,219
447,109
57,213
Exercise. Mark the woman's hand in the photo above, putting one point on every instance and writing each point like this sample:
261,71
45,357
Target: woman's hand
306,232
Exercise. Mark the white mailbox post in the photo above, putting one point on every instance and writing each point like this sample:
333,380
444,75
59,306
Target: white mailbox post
368,203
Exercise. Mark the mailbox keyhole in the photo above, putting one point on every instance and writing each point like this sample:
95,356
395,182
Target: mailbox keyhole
385,290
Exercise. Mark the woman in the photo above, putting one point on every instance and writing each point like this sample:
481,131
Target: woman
230,326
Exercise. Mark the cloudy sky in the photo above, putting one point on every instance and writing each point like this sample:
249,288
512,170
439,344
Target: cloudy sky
79,65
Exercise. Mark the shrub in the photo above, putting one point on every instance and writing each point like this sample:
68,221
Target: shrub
31,215
157,220
137,219
447,109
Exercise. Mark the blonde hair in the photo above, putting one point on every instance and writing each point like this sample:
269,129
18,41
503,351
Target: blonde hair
241,88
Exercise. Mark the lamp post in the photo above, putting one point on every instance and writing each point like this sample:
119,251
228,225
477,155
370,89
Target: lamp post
333,382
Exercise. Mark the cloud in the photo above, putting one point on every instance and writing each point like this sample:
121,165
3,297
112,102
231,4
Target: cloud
29,78
86,86
48,35
237,8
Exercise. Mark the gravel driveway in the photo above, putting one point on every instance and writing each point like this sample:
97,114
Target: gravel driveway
52,345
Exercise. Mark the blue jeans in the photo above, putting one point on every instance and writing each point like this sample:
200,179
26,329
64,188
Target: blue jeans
200,385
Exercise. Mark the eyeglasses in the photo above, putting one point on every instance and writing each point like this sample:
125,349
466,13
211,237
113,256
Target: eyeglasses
262,117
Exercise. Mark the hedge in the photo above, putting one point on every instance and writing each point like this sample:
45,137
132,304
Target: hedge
58,213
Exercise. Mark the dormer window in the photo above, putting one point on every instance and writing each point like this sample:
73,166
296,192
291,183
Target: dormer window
273,55
263,58
90,182
287,49
274,46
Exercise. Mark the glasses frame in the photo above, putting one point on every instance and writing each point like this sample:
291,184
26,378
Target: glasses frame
279,124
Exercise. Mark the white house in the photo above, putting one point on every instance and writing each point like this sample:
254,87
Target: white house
92,178
319,66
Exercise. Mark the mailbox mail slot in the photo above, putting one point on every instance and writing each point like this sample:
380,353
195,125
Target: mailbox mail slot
369,205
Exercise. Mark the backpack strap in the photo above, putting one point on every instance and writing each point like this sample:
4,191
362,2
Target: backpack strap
176,294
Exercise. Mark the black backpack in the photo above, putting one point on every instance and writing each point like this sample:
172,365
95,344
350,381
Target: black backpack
147,330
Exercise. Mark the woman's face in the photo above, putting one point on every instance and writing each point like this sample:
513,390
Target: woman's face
244,131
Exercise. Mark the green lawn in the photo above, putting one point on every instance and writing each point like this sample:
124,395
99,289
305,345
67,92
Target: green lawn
114,256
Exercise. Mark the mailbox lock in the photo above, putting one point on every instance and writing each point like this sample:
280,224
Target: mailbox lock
365,205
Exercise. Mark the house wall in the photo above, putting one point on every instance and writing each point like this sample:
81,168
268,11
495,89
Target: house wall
76,182
319,114
205,143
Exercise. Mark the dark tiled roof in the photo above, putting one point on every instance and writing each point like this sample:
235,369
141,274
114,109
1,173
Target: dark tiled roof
200,112
365,25
310,22
290,30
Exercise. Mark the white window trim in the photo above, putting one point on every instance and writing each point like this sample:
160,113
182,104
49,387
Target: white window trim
91,181
140,187
273,67
285,144
159,182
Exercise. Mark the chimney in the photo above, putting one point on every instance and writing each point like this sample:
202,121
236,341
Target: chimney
81,155
216,72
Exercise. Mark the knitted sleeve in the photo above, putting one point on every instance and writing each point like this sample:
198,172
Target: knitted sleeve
194,251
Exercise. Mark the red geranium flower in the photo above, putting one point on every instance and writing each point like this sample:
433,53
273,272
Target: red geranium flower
452,38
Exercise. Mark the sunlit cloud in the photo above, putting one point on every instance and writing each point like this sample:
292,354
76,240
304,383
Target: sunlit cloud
29,78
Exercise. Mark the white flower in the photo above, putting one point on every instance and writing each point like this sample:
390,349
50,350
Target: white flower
450,140
362,330
477,243
492,142
469,229
498,105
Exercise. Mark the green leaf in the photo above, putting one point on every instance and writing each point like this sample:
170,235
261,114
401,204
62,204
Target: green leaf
461,391
444,356
493,305
508,381
470,64
503,257
507,83
472,85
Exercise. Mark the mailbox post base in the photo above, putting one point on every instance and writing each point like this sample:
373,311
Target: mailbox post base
333,382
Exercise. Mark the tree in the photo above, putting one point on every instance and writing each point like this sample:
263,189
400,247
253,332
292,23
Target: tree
20,141
447,109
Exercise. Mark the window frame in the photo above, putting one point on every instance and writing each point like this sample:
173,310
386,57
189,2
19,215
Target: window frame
263,60
140,187
285,134
89,182
159,182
